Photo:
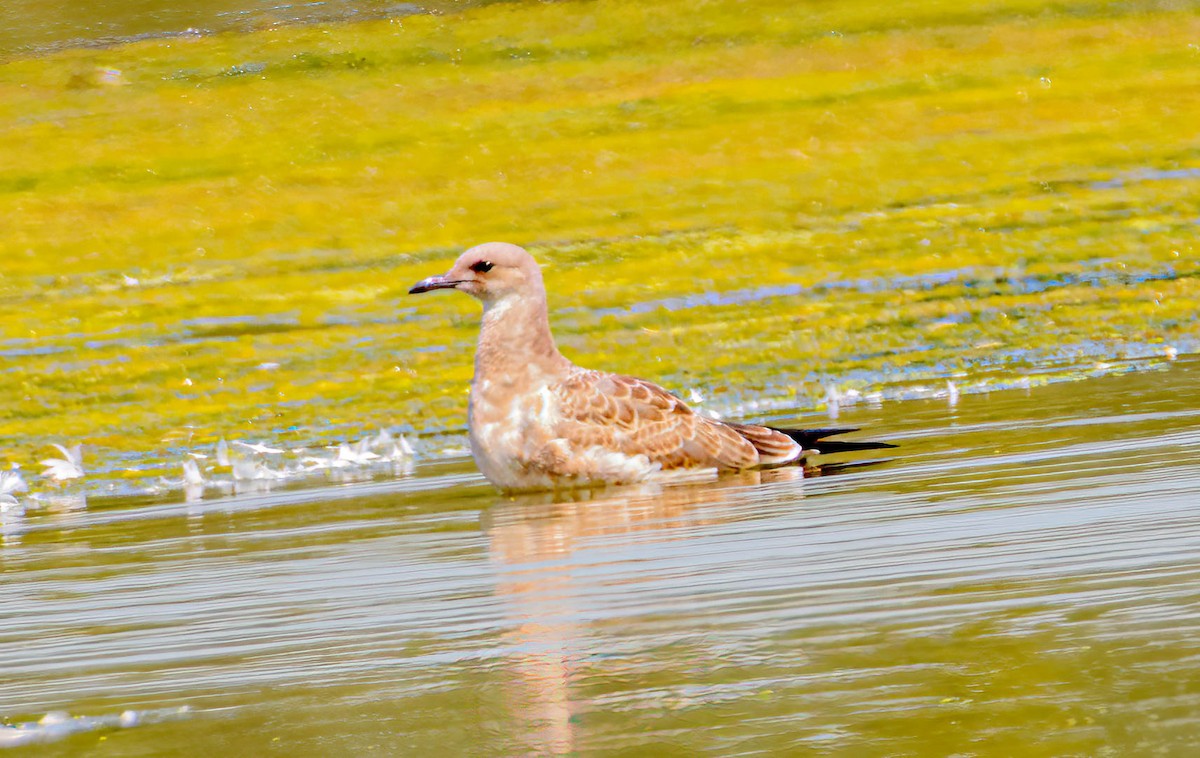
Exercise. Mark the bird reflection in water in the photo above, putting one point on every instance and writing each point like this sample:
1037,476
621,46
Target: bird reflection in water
536,542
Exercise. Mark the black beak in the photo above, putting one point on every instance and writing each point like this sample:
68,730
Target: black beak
434,283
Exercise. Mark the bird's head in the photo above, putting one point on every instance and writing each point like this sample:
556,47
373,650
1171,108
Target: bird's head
492,272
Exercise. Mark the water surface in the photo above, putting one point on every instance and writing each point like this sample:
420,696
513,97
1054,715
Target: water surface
1023,577
38,26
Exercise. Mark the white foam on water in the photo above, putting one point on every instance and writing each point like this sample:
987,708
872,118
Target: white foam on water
57,725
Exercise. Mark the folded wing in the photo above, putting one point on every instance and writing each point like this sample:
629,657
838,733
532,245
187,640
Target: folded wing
636,417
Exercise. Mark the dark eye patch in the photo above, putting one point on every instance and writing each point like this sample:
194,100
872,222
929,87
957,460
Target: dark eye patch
481,267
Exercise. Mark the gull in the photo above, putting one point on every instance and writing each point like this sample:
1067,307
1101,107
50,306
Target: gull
394,448
193,481
358,455
536,421
257,447
191,474
251,471
70,466
11,484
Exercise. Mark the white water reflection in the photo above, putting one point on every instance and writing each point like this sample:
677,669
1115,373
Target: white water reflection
58,725
541,547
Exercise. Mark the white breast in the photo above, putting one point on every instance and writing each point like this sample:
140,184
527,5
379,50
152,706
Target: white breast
506,430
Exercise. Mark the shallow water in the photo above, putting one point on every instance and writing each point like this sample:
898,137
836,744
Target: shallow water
1022,577
38,26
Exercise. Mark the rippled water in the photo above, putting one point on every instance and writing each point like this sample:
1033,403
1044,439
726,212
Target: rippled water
35,26
1023,577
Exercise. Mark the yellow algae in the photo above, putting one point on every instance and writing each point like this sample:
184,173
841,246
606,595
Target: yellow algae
756,200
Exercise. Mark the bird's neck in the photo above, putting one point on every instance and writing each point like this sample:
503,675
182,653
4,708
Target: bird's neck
515,340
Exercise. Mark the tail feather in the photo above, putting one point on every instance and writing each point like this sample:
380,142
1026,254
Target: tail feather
814,439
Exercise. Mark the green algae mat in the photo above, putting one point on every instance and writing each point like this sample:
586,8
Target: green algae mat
212,236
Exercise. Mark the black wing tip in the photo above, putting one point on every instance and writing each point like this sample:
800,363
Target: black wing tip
815,439
836,446
819,433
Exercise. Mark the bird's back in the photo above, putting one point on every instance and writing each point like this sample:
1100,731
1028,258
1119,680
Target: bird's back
636,417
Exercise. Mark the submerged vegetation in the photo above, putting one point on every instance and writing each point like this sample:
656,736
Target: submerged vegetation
210,236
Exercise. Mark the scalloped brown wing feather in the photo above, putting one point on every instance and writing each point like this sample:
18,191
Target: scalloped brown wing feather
635,417
774,448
